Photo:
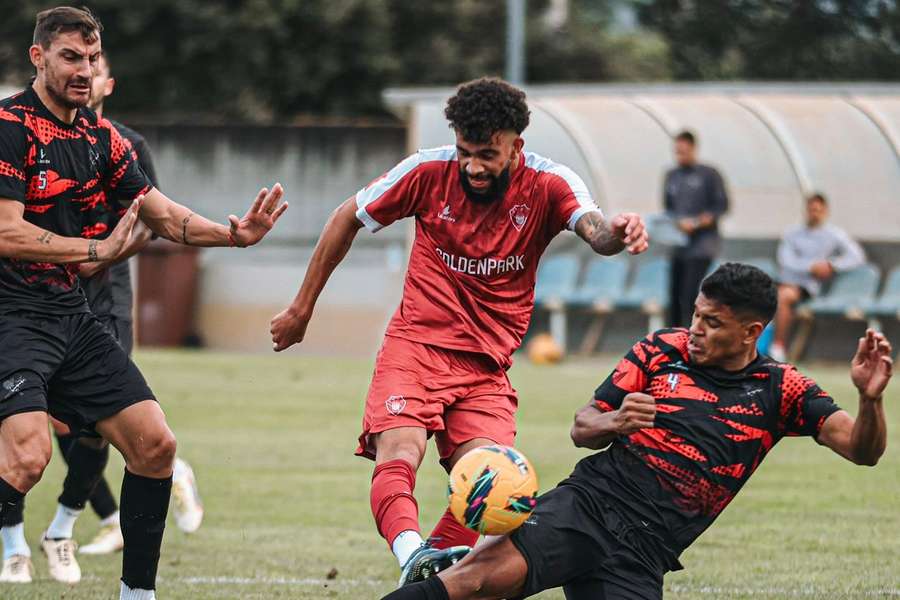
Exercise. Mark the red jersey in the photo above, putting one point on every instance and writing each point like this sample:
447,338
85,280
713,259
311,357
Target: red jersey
470,281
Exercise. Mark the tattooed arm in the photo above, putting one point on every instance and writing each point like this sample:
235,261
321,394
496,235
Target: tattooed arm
625,231
25,241
180,224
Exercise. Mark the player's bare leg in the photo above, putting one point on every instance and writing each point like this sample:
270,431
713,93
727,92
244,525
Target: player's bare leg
24,453
398,454
493,570
141,434
448,531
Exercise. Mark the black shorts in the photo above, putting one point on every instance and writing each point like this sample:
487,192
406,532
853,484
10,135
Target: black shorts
120,329
67,365
575,541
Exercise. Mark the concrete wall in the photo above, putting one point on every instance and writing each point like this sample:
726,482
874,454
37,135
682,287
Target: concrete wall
218,171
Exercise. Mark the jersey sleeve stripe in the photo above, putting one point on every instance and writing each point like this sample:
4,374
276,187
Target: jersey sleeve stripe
377,188
586,204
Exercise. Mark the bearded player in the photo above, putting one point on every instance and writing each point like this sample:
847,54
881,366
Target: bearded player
485,211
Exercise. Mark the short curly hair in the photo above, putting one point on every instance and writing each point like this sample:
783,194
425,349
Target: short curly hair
485,106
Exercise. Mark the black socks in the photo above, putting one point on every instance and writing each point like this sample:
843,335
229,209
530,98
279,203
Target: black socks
145,503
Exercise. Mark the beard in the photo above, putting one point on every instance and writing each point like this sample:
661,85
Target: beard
495,191
57,91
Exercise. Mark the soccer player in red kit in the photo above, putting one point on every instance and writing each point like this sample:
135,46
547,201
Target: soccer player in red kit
485,211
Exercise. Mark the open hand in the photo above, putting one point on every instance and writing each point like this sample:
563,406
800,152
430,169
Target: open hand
110,248
629,228
260,219
872,366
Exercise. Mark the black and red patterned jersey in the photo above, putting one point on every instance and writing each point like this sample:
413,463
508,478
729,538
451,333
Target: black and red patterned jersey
65,175
109,291
712,427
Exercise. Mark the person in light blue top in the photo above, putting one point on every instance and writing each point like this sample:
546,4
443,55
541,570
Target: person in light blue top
809,255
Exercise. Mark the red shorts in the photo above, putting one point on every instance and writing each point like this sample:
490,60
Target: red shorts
456,395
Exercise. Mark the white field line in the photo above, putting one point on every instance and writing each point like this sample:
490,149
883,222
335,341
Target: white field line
308,581
781,592
776,592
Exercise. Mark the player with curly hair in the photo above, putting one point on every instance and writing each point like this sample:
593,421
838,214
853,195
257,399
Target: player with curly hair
485,211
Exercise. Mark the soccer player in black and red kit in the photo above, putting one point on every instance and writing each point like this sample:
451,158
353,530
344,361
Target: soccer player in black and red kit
108,290
58,160
688,415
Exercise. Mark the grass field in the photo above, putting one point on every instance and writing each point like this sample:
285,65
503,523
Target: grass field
271,440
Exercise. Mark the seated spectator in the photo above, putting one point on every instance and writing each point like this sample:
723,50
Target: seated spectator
808,256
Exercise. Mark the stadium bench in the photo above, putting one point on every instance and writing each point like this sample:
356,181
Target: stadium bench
887,305
556,278
649,291
848,296
601,287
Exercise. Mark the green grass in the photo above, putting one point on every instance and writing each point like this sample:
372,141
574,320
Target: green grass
271,439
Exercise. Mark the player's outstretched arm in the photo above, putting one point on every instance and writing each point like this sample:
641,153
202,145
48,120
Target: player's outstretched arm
596,429
289,326
24,241
624,231
863,440
178,223
140,237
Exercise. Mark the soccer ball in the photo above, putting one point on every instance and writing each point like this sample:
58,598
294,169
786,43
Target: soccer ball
543,350
493,489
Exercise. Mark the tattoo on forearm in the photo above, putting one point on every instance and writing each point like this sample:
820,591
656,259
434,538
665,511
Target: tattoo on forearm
45,237
599,235
184,225
92,251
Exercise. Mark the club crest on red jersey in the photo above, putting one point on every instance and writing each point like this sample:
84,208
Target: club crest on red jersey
395,404
518,214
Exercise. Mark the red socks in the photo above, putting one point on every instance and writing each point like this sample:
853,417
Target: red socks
393,506
448,532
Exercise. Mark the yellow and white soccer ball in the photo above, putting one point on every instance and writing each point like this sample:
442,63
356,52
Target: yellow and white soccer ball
493,489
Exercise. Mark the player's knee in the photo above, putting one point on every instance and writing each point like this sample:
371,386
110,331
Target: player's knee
156,457
28,467
408,449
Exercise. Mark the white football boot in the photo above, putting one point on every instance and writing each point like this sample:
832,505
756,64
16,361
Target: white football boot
186,504
17,569
108,540
61,559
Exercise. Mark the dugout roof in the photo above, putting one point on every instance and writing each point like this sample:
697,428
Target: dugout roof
773,143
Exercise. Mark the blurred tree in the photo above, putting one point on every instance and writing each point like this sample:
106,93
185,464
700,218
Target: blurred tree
589,45
778,39
267,60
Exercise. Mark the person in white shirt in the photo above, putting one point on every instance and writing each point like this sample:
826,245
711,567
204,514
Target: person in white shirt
809,255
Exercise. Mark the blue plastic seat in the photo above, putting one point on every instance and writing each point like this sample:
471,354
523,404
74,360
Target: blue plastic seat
602,285
649,291
851,292
888,303
556,278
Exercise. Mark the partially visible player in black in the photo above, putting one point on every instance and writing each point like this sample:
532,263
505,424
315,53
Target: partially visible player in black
688,416
58,160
